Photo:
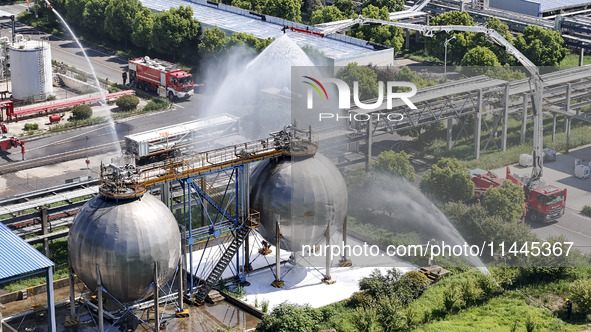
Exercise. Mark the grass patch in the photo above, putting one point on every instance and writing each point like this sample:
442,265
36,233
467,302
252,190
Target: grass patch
493,157
572,60
500,314
420,56
78,123
58,254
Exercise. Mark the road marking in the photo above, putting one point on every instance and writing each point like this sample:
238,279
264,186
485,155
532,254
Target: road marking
68,139
573,231
177,105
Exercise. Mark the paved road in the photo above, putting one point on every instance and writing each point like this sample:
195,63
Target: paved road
574,226
67,51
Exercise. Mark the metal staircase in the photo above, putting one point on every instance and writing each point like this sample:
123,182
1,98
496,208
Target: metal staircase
221,265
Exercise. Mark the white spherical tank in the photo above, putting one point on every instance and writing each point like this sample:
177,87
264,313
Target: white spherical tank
305,193
30,69
124,239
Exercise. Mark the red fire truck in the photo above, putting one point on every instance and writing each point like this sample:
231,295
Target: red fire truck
7,141
161,76
542,202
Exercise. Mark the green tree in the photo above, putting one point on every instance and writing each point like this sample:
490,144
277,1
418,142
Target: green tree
505,201
173,29
93,16
364,76
462,42
544,47
447,180
212,42
396,164
290,317
119,15
345,6
326,14
244,4
74,9
143,25
503,29
287,9
391,5
386,35
478,61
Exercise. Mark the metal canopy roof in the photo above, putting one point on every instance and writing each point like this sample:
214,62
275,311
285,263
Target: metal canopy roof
17,256
238,20
546,5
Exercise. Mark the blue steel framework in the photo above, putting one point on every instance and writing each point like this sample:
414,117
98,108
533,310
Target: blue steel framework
228,216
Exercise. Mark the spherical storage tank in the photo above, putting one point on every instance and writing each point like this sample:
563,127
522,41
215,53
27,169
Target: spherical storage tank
124,239
306,193
30,69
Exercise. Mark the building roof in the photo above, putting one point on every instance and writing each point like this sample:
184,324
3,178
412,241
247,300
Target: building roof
17,256
238,20
546,5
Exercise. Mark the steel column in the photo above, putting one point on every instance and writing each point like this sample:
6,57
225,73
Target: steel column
478,126
369,142
50,300
523,118
568,122
553,126
99,297
505,119
156,311
44,230
450,124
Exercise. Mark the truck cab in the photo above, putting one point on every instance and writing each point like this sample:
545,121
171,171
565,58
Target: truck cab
546,203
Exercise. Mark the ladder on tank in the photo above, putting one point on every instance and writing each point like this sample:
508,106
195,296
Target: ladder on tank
222,264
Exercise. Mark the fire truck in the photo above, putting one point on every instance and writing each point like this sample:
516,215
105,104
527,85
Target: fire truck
542,202
8,141
162,77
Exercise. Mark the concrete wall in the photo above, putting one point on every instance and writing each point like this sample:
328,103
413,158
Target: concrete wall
23,294
75,84
518,6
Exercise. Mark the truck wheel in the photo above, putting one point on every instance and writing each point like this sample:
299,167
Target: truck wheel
534,216
170,96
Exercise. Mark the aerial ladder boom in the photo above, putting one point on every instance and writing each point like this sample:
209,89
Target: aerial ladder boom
536,83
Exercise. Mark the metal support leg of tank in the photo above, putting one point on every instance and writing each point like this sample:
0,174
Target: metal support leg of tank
156,295
203,186
327,277
417,37
99,297
450,125
182,313
478,127
553,126
247,265
277,283
44,230
345,262
505,119
71,320
523,119
369,143
568,120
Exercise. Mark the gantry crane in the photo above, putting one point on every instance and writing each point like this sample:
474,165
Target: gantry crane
536,82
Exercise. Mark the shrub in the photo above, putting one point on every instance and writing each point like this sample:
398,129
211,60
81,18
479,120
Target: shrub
290,317
81,112
586,210
581,295
414,283
112,89
127,103
361,299
156,104
31,126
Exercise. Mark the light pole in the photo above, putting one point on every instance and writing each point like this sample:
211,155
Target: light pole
445,57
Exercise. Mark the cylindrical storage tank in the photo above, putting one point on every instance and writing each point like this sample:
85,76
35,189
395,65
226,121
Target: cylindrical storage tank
306,194
124,239
30,69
